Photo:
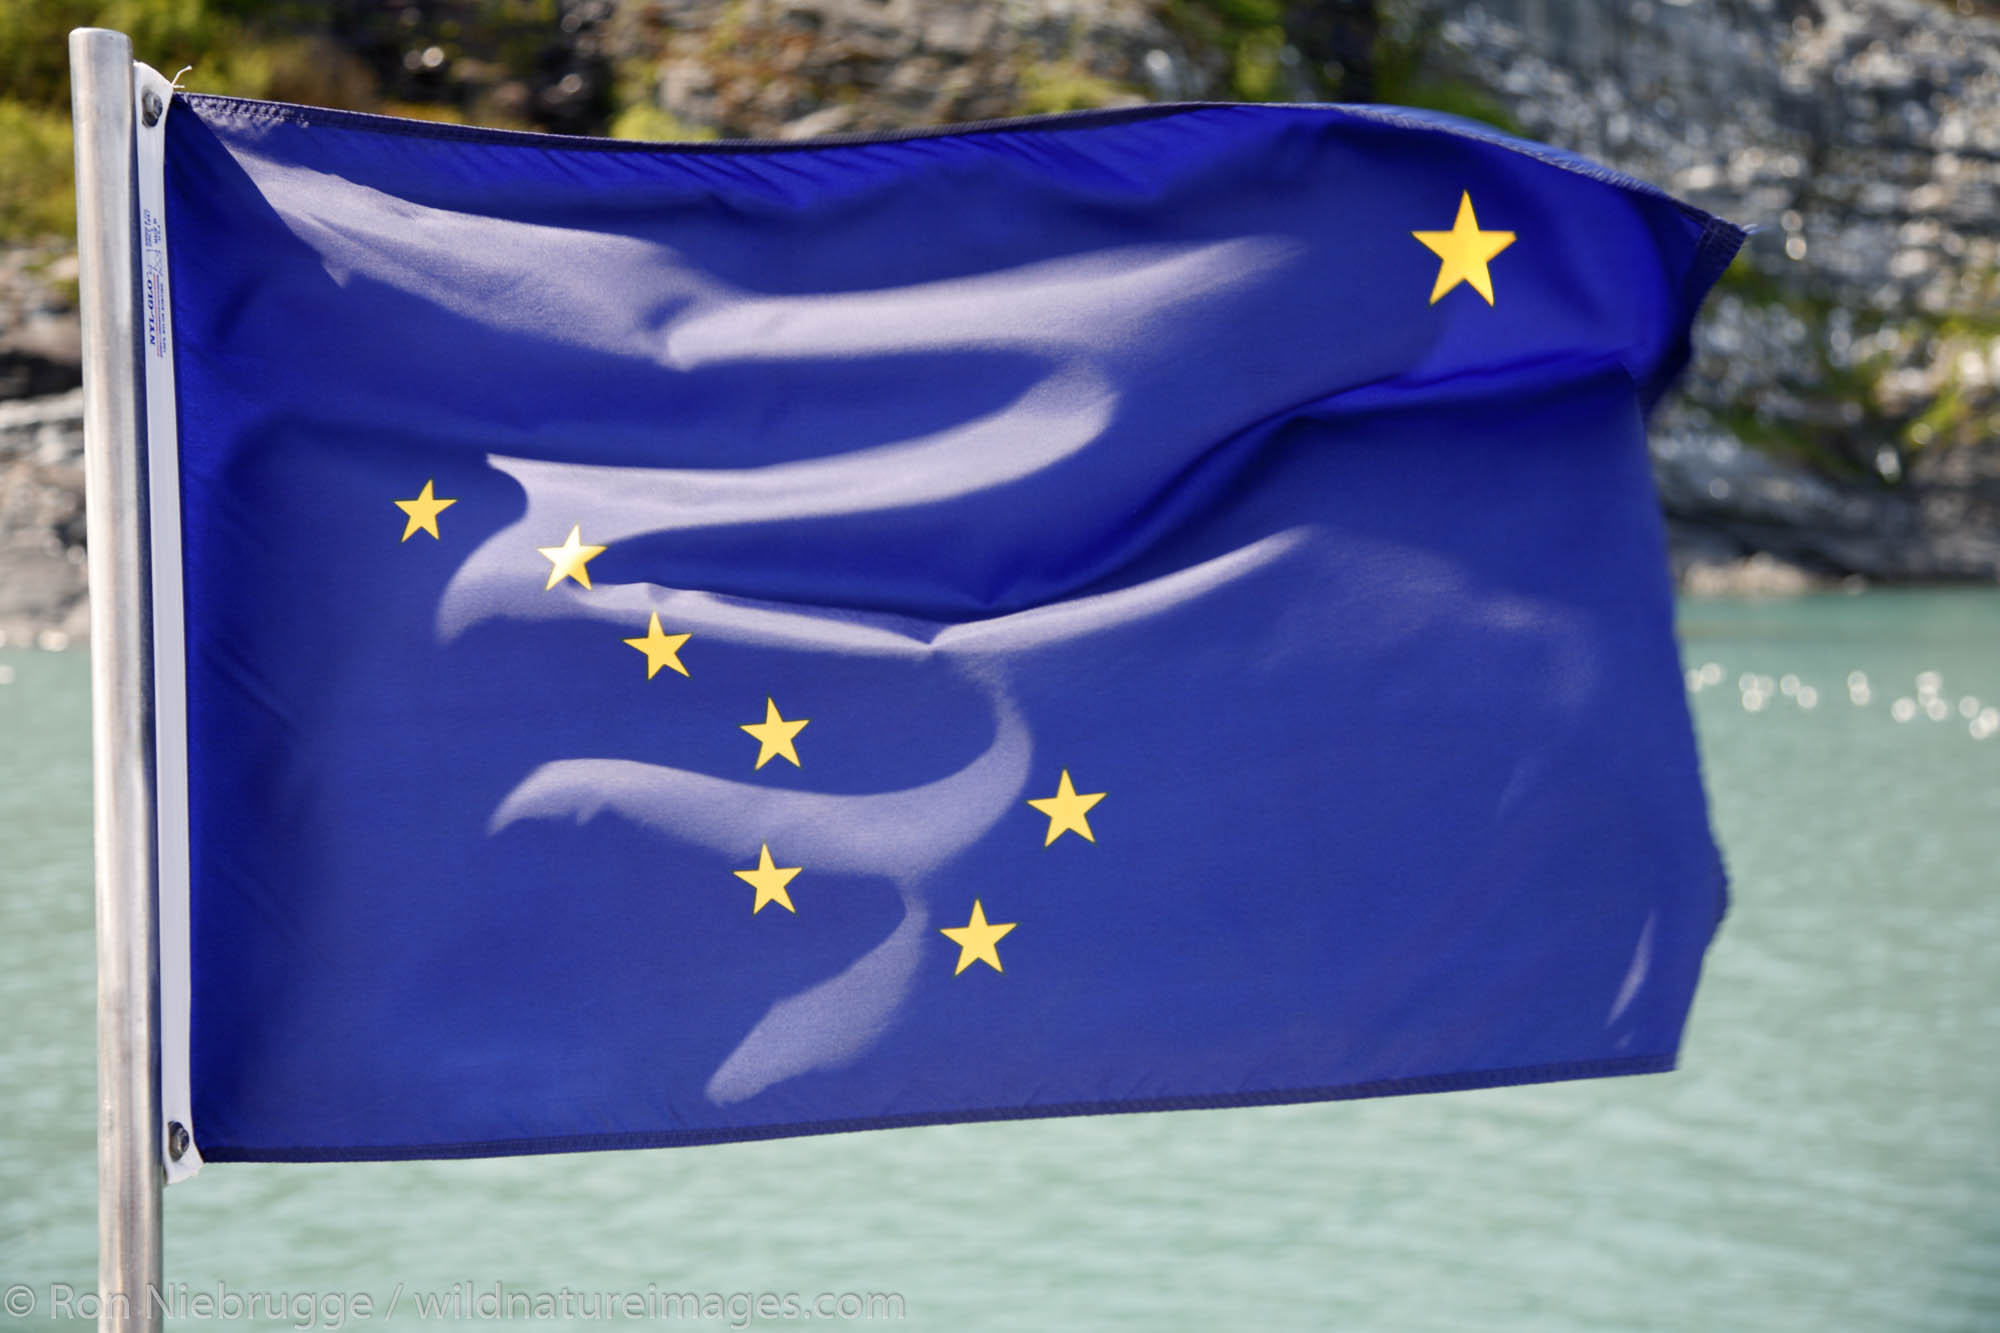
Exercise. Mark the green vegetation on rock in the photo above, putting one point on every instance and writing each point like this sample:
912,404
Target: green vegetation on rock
1248,34
1065,85
35,169
1407,74
432,60
1883,411
35,153
644,121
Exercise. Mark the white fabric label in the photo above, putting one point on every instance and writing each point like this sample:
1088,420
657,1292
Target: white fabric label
152,99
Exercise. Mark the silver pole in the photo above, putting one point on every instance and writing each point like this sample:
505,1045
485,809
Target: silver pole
129,1172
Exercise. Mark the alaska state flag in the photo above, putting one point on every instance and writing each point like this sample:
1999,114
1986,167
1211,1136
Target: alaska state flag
1151,609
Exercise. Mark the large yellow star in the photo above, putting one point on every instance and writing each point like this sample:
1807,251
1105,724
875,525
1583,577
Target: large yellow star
568,560
977,940
1067,810
661,650
774,735
423,513
1465,251
769,881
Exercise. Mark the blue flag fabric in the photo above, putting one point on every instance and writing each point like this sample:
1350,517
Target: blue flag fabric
1127,611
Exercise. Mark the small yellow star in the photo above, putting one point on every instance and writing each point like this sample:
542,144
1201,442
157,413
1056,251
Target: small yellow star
423,513
774,735
661,650
769,881
569,559
1067,811
1465,251
977,940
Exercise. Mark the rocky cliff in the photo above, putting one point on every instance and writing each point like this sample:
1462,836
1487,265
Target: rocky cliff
1843,410
41,450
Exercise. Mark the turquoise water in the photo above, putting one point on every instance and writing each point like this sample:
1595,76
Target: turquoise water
1827,1158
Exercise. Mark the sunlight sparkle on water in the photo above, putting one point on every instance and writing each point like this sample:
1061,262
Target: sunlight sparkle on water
1757,692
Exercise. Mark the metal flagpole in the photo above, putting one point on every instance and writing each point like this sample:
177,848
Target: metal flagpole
129,1170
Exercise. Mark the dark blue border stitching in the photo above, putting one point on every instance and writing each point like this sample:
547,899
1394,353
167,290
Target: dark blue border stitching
1714,250
1482,1078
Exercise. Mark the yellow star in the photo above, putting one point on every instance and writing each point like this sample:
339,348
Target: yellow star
1067,811
1465,251
977,939
774,735
769,881
661,650
569,559
423,512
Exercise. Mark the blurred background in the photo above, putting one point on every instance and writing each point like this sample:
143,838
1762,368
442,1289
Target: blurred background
1829,1155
